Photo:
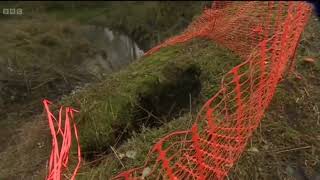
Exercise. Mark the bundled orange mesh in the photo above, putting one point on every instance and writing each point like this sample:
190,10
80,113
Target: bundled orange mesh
59,157
265,35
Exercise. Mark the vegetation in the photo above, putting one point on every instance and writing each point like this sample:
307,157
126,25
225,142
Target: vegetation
40,56
38,59
288,135
158,85
148,23
132,108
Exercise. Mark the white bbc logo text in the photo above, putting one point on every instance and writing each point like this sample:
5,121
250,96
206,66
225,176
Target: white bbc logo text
12,11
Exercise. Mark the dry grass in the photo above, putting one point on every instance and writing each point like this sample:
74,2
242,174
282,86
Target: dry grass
27,151
37,58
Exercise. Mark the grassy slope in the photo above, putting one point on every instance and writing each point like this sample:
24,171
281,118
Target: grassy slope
41,36
37,58
33,41
291,122
113,105
146,22
110,105
278,130
30,48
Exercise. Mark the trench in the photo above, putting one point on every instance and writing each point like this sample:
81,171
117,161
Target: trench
162,104
168,101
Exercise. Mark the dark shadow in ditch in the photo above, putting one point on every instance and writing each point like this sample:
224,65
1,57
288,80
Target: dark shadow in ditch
167,101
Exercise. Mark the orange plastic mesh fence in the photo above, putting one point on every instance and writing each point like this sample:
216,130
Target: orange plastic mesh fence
59,157
265,35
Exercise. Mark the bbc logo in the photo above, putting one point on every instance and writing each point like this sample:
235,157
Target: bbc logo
12,11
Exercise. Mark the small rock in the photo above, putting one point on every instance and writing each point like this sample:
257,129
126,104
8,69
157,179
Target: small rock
253,149
146,172
40,145
131,154
121,155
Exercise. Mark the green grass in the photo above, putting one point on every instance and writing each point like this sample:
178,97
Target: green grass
280,131
112,105
42,46
139,143
292,120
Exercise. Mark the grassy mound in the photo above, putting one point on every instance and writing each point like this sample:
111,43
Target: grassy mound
149,93
154,96
288,136
38,54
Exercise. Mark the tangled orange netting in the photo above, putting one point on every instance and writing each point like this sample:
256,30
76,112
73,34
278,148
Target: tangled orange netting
265,35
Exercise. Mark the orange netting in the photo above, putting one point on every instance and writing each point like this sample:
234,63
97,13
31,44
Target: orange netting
265,35
59,158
